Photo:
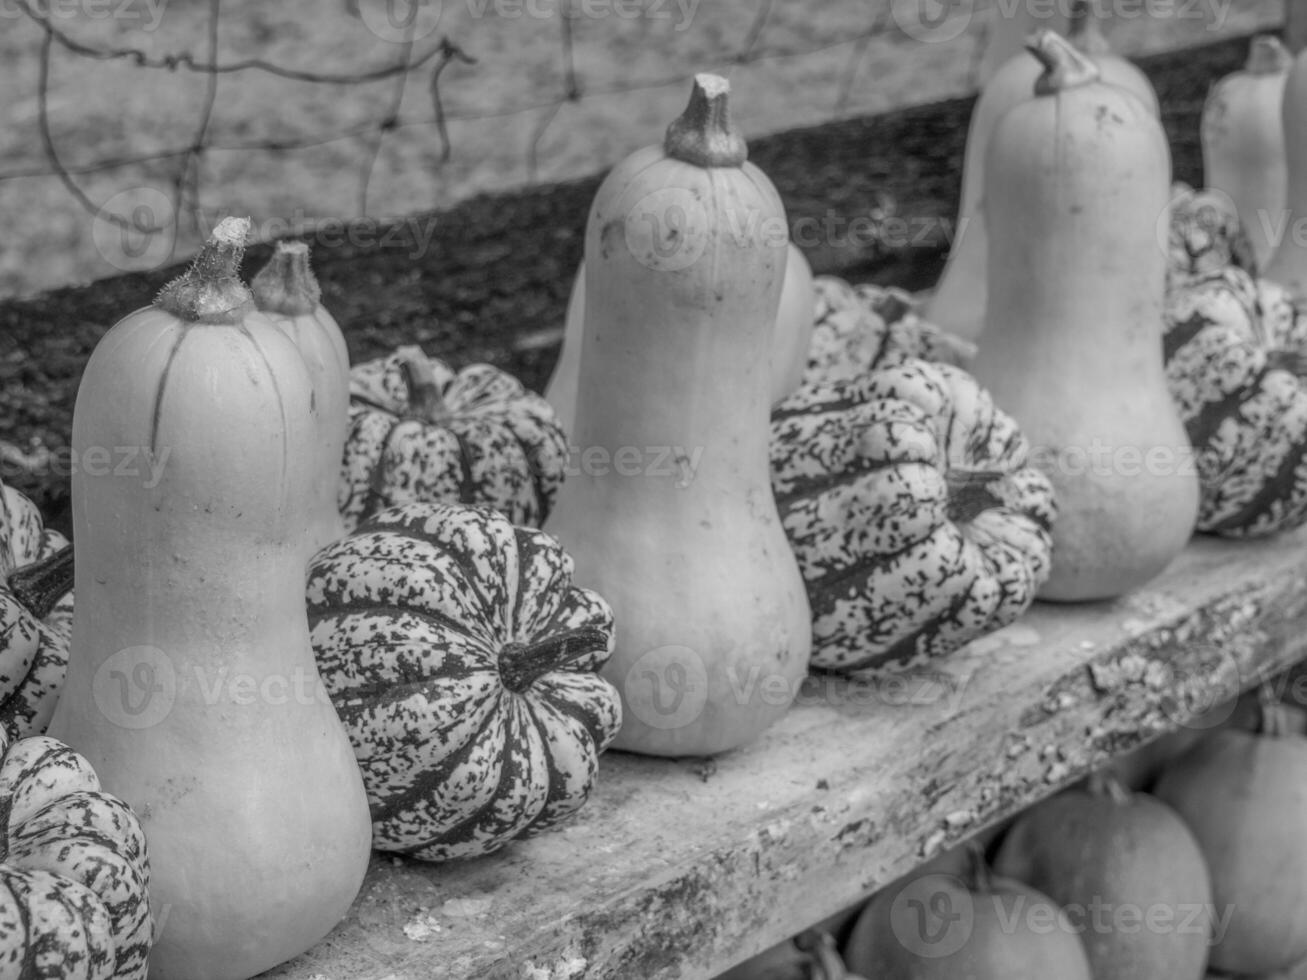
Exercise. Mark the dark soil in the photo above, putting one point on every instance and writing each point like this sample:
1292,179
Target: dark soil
493,283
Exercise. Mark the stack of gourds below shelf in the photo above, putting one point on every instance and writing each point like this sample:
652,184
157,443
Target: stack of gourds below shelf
767,474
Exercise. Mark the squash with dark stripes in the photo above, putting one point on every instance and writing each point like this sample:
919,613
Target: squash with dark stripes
74,878
1236,366
464,664
421,432
913,508
1203,234
36,615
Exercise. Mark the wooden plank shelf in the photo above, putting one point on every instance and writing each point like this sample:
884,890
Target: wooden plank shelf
683,868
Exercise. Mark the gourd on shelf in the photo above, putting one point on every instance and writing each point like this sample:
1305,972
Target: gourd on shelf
689,551
465,666
288,292
1075,180
36,615
1243,142
191,685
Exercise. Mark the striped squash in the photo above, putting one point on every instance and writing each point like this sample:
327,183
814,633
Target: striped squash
36,615
421,432
1204,234
74,879
1236,353
916,515
464,664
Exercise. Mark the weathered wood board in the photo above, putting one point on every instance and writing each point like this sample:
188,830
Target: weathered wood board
682,868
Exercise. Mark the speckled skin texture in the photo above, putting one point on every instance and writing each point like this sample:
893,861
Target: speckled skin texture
74,885
33,653
500,445
413,617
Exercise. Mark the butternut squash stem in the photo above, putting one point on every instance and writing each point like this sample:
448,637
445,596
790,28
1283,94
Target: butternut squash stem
820,945
1107,784
979,878
211,291
1267,56
286,284
703,134
1085,31
522,664
425,402
40,585
1064,66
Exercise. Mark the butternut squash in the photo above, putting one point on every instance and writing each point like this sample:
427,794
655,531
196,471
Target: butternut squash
1243,142
1075,180
713,626
288,292
958,302
1288,262
790,340
191,686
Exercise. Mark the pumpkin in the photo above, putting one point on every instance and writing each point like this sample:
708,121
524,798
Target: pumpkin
684,539
859,328
288,292
1288,262
36,576
1243,142
1203,234
959,300
191,685
464,663
1128,873
1075,181
1235,349
75,876
981,926
790,337
421,432
1243,794
910,502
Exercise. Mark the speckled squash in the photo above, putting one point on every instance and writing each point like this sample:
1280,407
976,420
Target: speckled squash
1236,366
464,664
288,292
421,432
1203,234
918,522
36,615
857,329
75,877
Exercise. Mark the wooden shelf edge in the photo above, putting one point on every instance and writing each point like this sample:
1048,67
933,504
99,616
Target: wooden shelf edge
683,868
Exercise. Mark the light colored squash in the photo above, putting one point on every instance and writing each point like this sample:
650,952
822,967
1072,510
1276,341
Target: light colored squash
36,615
191,685
74,876
1243,142
957,304
792,332
1111,858
1075,181
713,625
464,664
1288,262
288,292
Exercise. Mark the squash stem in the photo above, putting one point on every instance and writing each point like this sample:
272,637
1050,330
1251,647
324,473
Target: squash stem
425,402
1064,66
1085,31
820,947
1106,783
980,880
286,285
969,492
1267,56
40,585
522,664
703,134
211,291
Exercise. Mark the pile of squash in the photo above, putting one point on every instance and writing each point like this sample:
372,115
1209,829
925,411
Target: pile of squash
403,606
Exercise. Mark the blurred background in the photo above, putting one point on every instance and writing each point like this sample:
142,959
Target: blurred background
128,128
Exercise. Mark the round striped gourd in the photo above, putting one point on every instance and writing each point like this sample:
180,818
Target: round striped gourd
421,432
74,878
911,504
859,328
36,615
1236,353
464,664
